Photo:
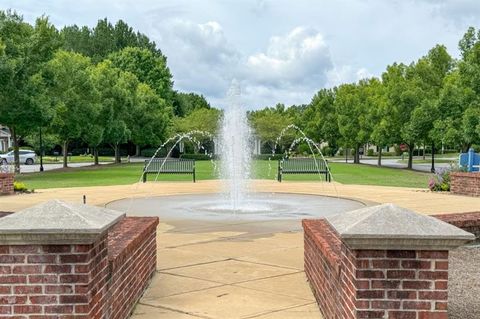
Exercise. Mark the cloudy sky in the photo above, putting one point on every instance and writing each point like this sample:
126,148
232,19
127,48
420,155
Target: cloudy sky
280,50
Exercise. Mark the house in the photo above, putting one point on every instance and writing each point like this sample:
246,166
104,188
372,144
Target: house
5,139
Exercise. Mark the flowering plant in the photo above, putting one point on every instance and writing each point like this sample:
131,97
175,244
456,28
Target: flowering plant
440,181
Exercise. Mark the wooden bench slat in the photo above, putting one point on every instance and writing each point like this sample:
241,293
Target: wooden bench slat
302,166
169,166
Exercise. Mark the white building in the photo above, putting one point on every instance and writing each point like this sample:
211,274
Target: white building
5,139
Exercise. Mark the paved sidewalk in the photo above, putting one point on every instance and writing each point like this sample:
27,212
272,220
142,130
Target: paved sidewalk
236,269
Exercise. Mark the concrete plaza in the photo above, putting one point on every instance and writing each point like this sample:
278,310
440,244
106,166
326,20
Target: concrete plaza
236,269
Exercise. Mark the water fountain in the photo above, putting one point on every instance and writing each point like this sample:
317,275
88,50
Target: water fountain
235,150
236,201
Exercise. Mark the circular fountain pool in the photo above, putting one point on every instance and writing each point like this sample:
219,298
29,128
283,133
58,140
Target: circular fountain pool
257,206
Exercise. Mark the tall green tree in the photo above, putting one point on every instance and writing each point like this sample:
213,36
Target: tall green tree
149,67
149,118
321,121
186,103
117,92
73,95
26,49
104,39
351,105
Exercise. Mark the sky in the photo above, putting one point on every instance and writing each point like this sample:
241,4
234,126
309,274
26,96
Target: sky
281,51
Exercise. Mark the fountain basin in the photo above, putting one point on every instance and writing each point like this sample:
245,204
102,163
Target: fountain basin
256,206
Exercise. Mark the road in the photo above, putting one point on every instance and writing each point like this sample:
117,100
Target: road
395,163
49,167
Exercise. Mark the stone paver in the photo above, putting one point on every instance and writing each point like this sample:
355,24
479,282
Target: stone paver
219,270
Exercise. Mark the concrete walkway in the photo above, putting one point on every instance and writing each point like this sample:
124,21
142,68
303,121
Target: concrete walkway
236,269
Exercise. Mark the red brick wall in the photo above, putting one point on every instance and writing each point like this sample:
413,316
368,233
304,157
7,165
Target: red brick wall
373,283
465,183
467,221
51,280
6,183
132,259
401,284
101,280
322,266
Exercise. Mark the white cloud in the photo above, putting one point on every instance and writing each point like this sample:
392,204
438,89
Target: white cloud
301,57
199,55
292,67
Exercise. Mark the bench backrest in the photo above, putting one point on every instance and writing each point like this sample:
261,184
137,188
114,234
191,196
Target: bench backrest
303,165
170,165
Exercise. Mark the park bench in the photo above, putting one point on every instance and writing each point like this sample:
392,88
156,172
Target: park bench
169,166
303,166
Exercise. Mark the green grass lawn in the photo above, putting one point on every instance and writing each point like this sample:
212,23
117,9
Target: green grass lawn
121,174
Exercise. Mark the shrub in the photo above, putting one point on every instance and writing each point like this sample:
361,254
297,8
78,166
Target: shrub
327,151
148,152
370,152
266,157
198,157
20,187
304,149
440,182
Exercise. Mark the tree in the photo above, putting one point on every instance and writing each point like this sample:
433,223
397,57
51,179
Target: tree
402,98
185,103
104,38
269,123
453,101
351,105
73,95
26,50
426,78
149,68
149,118
201,119
320,118
117,91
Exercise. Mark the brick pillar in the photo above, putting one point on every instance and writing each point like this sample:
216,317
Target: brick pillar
381,262
54,261
52,279
401,283
6,183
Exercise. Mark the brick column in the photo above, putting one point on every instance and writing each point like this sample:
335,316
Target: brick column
54,261
6,183
380,262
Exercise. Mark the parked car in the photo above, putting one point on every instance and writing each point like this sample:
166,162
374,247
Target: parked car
26,157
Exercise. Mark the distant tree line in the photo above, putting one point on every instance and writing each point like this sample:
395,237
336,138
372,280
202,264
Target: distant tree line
432,101
105,85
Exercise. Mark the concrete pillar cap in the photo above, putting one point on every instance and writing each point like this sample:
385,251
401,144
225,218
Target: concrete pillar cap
391,227
57,222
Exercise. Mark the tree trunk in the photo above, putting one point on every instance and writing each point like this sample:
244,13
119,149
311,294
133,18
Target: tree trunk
137,150
423,151
65,153
118,159
379,156
432,169
410,156
16,152
356,159
95,155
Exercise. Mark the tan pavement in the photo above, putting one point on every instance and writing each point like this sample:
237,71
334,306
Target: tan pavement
236,270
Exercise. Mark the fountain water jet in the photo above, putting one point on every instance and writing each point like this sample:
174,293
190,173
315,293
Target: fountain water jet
235,150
